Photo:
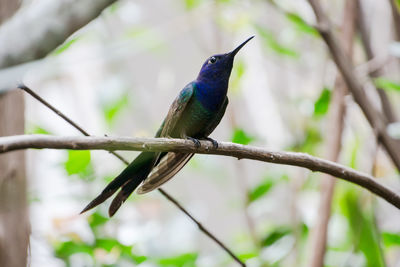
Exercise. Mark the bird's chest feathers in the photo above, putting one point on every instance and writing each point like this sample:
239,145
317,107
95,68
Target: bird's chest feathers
211,95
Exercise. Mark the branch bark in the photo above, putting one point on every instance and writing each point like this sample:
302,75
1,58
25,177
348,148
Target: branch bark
17,142
334,140
14,218
396,18
36,30
374,116
366,41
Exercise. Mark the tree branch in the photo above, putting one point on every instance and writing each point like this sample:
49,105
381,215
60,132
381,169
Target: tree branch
333,142
11,143
36,30
374,116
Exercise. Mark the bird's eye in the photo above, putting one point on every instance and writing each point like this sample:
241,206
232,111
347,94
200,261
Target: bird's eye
212,60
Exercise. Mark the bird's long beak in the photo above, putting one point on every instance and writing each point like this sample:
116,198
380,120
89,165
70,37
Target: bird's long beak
234,52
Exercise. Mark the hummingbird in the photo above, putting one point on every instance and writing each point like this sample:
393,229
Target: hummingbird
193,115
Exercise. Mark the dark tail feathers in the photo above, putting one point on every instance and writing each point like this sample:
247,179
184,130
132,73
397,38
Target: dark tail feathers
128,180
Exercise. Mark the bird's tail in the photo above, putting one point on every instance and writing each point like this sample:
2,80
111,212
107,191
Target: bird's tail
127,180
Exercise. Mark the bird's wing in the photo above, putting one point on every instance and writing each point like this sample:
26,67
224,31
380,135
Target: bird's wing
167,127
169,165
176,110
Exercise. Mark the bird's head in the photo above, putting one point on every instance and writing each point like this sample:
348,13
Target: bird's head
219,67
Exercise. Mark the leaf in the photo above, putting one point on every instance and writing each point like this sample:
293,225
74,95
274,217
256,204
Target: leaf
363,229
260,190
301,25
191,4
36,129
112,109
66,249
241,137
391,239
275,235
183,260
78,162
386,84
96,219
321,106
247,256
270,41
65,46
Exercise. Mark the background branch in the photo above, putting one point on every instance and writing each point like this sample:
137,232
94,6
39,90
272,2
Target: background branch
36,30
312,163
374,116
333,140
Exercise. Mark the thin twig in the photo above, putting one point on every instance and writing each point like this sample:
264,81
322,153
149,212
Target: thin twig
376,119
366,42
162,191
201,227
16,142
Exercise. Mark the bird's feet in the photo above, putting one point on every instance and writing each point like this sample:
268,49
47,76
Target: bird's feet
194,140
214,142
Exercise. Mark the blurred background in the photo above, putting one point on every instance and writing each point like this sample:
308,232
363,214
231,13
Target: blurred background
118,76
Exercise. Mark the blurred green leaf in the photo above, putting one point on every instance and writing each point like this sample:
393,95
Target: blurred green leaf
391,239
241,137
321,106
96,219
36,129
183,260
191,4
237,73
300,24
260,190
78,162
310,141
270,41
112,109
354,153
275,235
247,256
386,84
65,46
66,249
363,229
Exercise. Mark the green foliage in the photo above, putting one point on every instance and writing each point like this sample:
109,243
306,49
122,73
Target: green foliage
67,44
115,107
36,129
78,162
301,25
310,141
183,260
64,250
275,235
321,106
241,137
260,190
191,4
270,41
391,239
386,84
247,256
96,219
363,229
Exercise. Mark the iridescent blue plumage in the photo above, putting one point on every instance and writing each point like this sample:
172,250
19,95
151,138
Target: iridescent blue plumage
193,115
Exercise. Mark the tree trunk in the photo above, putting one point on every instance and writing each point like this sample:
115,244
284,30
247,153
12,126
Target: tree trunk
14,223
